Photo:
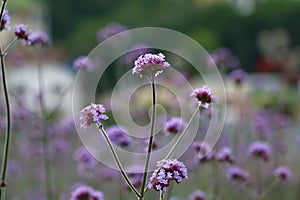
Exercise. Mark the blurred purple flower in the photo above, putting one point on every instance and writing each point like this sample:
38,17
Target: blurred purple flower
136,50
150,65
198,195
118,136
84,158
168,170
261,150
38,38
261,125
86,193
238,76
237,174
204,151
91,114
224,57
5,21
203,96
110,30
155,144
84,62
283,173
21,32
174,125
225,155
14,167
134,176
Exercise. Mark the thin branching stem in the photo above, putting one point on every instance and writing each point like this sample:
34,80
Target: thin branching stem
150,144
8,127
117,160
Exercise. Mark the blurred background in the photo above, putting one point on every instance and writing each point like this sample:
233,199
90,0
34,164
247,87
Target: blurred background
258,37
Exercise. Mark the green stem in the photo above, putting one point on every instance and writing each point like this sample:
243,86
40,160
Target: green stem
161,195
45,141
150,139
8,123
2,9
183,133
10,45
112,149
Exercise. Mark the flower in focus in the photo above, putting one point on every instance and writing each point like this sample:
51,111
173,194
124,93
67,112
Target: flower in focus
261,150
203,96
91,114
118,136
238,174
5,21
84,62
38,37
150,65
283,173
203,150
110,30
173,126
225,155
197,195
168,170
21,32
86,193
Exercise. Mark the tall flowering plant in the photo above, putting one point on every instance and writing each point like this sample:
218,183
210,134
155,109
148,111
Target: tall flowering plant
168,170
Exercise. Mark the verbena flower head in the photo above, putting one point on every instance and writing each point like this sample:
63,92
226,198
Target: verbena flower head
224,58
168,170
225,155
84,62
110,30
173,126
237,174
38,38
261,150
5,21
238,76
92,114
203,150
198,195
150,65
21,32
283,173
118,136
86,193
203,96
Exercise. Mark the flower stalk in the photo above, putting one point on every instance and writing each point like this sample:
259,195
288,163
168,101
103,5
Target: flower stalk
153,114
114,153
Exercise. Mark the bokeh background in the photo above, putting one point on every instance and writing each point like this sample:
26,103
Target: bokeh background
260,37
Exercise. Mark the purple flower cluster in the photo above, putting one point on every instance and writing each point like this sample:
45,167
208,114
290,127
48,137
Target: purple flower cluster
203,96
85,160
21,32
238,76
237,174
110,30
168,170
197,195
86,193
173,126
91,114
118,136
283,173
261,150
150,65
38,38
203,150
5,21
84,62
223,56
225,155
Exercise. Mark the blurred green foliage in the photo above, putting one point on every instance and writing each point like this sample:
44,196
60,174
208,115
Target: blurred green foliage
75,22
